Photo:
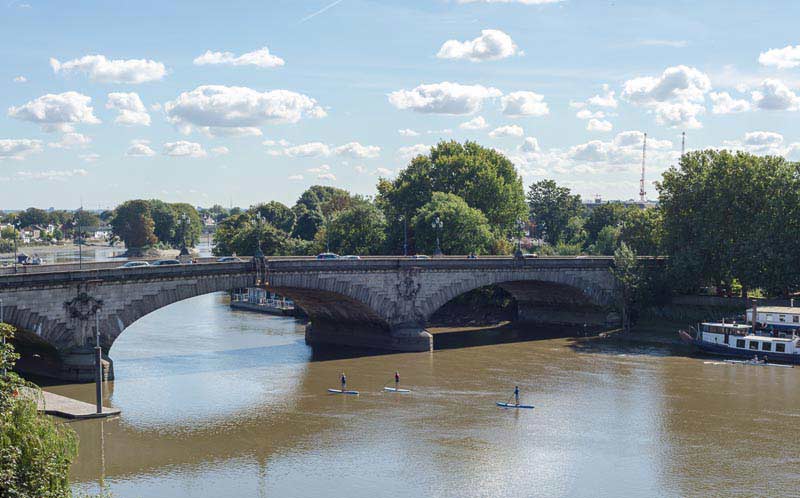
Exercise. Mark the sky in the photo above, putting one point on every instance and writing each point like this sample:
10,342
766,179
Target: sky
236,103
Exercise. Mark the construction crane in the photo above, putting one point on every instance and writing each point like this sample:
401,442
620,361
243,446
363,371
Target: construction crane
683,143
642,193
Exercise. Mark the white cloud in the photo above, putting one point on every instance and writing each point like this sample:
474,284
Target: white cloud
281,142
220,151
131,109
235,131
98,68
361,169
18,148
295,177
323,168
782,58
675,97
56,112
384,172
765,143
311,149
182,148
774,95
407,132
444,131
762,138
633,139
607,99
519,104
355,149
493,44
259,58
326,177
140,148
507,131
523,2
90,157
725,104
20,79
443,98
407,153
52,175
71,141
219,106
476,123
589,114
599,125
529,145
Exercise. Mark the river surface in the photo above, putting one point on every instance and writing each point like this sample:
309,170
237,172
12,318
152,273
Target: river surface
222,403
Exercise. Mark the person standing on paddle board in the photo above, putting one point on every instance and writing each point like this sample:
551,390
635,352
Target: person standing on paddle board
396,379
516,395
344,382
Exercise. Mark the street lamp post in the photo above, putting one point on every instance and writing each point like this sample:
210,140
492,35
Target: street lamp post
520,228
184,224
80,245
405,234
437,226
98,358
258,252
4,336
16,229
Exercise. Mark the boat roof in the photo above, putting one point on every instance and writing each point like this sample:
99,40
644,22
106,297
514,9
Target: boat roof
729,325
778,309
765,338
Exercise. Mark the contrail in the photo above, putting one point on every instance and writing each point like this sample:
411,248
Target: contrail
320,11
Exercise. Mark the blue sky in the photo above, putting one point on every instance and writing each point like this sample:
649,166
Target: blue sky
103,102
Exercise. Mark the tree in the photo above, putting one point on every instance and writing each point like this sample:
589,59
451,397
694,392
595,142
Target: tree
187,232
277,214
551,208
270,239
607,241
165,220
485,179
226,231
643,230
325,199
308,222
360,229
601,216
33,216
35,451
626,274
732,216
464,229
133,224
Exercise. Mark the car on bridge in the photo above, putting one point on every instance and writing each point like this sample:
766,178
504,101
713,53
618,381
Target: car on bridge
230,259
135,264
166,262
420,256
351,256
327,255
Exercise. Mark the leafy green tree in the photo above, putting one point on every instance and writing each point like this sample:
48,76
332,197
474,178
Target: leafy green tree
87,220
327,200
732,216
308,222
277,214
270,239
575,233
607,241
485,179
551,209
601,216
133,224
464,229
360,229
33,216
9,232
643,230
626,273
187,232
165,220
35,451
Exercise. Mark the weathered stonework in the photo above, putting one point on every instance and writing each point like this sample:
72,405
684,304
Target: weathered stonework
382,302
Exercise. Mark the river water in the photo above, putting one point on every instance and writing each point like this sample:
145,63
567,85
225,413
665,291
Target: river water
222,403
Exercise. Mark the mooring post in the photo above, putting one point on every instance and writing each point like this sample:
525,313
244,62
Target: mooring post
98,358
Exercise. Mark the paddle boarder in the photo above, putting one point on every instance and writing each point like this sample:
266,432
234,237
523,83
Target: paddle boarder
516,395
344,382
396,379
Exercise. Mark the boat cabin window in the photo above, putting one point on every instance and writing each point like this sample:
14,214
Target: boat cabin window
780,348
753,344
796,319
766,346
740,343
781,318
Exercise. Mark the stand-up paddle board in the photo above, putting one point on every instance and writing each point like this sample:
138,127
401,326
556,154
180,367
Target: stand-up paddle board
339,391
396,390
512,405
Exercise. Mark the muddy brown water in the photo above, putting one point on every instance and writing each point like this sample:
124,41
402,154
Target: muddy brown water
227,403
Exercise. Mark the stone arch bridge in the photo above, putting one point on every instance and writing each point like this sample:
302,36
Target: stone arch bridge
380,303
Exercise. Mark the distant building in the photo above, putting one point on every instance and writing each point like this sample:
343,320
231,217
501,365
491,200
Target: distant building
598,201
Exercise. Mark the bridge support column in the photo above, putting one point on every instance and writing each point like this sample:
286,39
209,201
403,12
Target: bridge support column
77,365
400,339
531,313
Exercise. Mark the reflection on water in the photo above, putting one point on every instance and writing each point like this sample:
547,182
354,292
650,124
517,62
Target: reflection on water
222,403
